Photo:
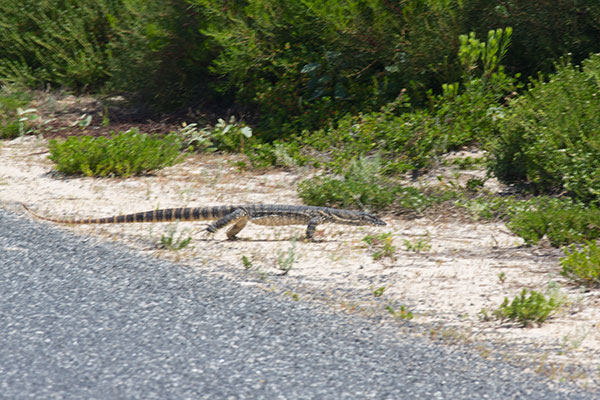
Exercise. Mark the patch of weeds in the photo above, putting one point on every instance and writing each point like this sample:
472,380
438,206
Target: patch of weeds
123,154
379,291
381,245
528,308
474,184
294,296
419,245
15,118
170,242
250,266
468,162
362,185
231,136
285,261
491,207
582,265
401,313
574,340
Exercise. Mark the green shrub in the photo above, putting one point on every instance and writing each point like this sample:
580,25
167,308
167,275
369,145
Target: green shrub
562,221
582,265
124,154
550,138
527,309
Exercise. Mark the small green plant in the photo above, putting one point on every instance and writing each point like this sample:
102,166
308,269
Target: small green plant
170,242
285,261
484,315
381,245
379,291
246,262
527,308
474,184
502,277
582,265
418,245
401,313
468,162
124,154
230,136
195,138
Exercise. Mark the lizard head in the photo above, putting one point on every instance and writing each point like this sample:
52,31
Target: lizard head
369,219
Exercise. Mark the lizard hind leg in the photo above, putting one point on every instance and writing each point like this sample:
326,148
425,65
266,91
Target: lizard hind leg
236,228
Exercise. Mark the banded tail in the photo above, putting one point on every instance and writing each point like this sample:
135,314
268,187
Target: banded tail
163,215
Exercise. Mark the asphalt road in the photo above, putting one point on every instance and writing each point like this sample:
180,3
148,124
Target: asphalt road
82,320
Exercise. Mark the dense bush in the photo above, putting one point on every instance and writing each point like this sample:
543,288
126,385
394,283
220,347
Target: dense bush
464,113
550,137
292,66
561,221
303,64
124,154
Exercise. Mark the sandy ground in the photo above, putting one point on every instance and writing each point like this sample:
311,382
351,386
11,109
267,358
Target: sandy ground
470,266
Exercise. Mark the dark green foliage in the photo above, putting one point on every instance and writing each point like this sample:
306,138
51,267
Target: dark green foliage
464,114
304,64
160,58
61,42
407,142
550,138
123,154
151,51
544,29
582,265
527,309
